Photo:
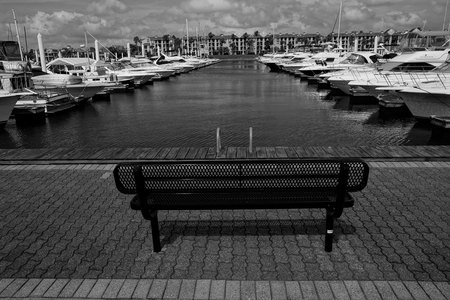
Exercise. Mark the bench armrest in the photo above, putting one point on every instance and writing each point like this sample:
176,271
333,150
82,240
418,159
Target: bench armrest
142,192
341,189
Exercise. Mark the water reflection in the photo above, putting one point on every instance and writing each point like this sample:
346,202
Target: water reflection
233,95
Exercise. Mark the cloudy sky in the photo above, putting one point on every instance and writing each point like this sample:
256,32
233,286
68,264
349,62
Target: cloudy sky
63,22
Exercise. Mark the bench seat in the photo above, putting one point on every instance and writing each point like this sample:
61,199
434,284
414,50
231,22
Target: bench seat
242,184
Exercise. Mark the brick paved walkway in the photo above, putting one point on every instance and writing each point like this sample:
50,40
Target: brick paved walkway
66,223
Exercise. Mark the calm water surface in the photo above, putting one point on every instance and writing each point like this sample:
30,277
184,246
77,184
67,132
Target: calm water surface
185,111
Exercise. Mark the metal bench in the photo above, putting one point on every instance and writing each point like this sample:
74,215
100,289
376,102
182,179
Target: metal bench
241,184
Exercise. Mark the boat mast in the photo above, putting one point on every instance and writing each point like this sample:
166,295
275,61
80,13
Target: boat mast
273,39
187,38
87,52
339,27
445,17
26,42
17,33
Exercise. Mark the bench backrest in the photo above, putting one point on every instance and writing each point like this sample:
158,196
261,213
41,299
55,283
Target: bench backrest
189,176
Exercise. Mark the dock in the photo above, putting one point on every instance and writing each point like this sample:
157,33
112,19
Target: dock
115,155
66,232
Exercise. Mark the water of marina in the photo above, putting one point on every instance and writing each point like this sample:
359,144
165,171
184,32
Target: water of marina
185,111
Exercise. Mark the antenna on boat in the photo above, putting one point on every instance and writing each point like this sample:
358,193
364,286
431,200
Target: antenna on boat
87,49
115,54
445,17
339,26
17,33
26,42
187,37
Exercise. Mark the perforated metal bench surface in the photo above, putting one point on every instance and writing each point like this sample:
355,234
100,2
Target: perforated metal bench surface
241,184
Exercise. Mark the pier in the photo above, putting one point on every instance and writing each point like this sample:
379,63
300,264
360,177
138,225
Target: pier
67,233
114,155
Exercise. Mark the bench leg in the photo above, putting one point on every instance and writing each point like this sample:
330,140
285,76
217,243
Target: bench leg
155,230
329,232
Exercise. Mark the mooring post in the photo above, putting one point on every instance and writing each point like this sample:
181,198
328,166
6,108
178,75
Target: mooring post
250,142
218,145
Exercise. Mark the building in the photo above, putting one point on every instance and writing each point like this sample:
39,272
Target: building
257,44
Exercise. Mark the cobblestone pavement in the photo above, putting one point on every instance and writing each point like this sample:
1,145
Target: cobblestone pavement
69,221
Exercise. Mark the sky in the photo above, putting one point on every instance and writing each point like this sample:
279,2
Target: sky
116,22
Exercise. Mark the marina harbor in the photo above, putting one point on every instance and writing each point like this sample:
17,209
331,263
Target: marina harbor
224,150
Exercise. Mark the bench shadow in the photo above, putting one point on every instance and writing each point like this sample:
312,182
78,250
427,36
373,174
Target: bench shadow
171,230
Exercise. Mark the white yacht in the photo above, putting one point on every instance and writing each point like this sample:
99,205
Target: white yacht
43,102
320,58
14,78
353,60
66,83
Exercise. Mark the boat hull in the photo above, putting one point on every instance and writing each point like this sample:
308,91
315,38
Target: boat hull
7,103
423,105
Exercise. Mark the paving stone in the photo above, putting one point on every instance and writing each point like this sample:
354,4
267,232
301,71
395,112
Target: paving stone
55,289
217,289
293,290
354,290
339,290
12,288
400,290
157,288
70,288
385,290
172,289
113,288
278,290
42,287
323,290
248,290
232,289
263,290
127,289
308,290
202,289
99,288
142,288
444,288
187,288
370,290
27,288
5,282
431,290
379,239
84,288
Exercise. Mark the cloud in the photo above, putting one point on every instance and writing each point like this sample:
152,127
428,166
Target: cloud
203,6
51,24
106,7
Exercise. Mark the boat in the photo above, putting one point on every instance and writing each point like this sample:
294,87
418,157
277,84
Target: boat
320,58
14,78
63,83
43,103
425,99
360,59
7,102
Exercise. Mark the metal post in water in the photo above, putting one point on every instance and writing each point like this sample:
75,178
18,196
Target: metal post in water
375,45
143,48
128,51
250,142
218,144
97,51
41,52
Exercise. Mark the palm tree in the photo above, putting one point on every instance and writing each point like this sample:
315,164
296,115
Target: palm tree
233,48
249,45
245,37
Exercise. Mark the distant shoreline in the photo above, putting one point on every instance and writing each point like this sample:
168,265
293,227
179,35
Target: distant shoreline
234,57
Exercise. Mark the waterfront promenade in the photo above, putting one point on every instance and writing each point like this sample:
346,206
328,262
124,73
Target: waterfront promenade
66,232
